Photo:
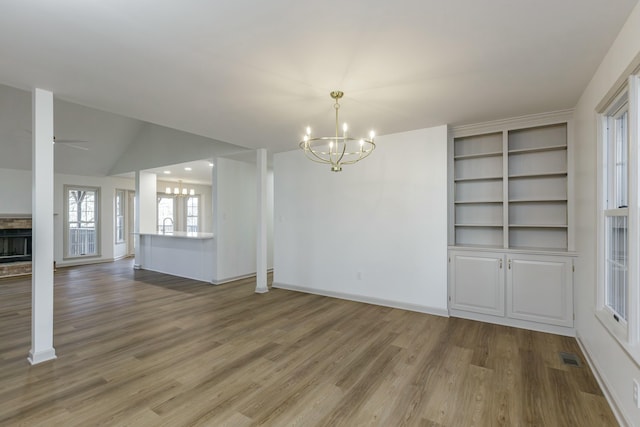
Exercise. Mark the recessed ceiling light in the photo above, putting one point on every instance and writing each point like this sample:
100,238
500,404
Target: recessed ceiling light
187,169
210,164
167,172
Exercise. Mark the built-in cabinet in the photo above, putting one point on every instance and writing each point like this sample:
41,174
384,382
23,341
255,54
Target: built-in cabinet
511,237
533,288
540,288
477,282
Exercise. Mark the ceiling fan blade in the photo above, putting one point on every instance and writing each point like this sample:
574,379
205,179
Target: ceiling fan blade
71,145
70,141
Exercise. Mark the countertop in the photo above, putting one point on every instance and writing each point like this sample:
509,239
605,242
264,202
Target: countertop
182,235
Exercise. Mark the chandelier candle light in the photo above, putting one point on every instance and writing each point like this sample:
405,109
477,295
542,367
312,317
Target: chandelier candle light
337,150
180,191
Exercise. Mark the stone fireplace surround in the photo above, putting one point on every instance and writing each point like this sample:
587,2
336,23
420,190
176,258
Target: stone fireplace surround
21,267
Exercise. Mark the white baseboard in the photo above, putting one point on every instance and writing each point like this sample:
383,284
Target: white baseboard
74,263
231,279
41,356
365,299
604,385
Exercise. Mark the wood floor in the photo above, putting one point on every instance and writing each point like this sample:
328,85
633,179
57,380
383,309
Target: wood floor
144,349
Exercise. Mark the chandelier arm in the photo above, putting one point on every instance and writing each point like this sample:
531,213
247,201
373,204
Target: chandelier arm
320,159
330,155
317,159
344,148
363,155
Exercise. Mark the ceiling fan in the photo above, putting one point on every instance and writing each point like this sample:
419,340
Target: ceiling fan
71,143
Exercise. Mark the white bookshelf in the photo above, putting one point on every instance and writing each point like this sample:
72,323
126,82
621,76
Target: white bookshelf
510,228
510,188
537,191
478,188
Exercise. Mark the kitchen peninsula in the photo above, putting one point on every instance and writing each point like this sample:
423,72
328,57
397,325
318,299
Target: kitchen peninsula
179,253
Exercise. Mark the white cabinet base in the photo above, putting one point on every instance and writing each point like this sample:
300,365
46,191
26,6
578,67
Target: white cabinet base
539,289
513,288
477,282
515,323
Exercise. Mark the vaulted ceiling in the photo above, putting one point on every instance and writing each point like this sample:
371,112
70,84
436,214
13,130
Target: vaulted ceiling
255,73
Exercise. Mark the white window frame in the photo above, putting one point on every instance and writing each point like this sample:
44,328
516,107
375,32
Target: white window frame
97,221
120,238
625,332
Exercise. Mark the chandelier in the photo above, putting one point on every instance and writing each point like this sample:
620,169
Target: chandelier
337,150
180,191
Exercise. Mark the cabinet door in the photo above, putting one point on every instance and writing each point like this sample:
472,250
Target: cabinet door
540,289
477,282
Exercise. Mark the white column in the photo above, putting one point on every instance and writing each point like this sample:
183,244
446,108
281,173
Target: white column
137,262
146,211
261,229
215,227
42,214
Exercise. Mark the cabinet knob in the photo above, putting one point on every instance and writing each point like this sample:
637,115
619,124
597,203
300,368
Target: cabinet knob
500,263
509,266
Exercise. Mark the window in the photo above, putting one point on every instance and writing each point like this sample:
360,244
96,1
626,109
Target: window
618,233
81,221
192,214
166,208
119,202
616,211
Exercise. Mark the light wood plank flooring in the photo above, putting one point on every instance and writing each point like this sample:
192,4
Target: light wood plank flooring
145,349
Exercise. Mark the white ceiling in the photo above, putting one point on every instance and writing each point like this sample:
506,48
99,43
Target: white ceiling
196,172
255,73
105,136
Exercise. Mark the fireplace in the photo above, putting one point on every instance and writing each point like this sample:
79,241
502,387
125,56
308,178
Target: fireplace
15,245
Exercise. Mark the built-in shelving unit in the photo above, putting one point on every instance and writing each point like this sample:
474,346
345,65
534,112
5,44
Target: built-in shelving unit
510,188
478,181
537,191
510,231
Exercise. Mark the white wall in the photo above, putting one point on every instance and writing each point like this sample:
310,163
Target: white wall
234,212
385,218
15,198
613,364
15,191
